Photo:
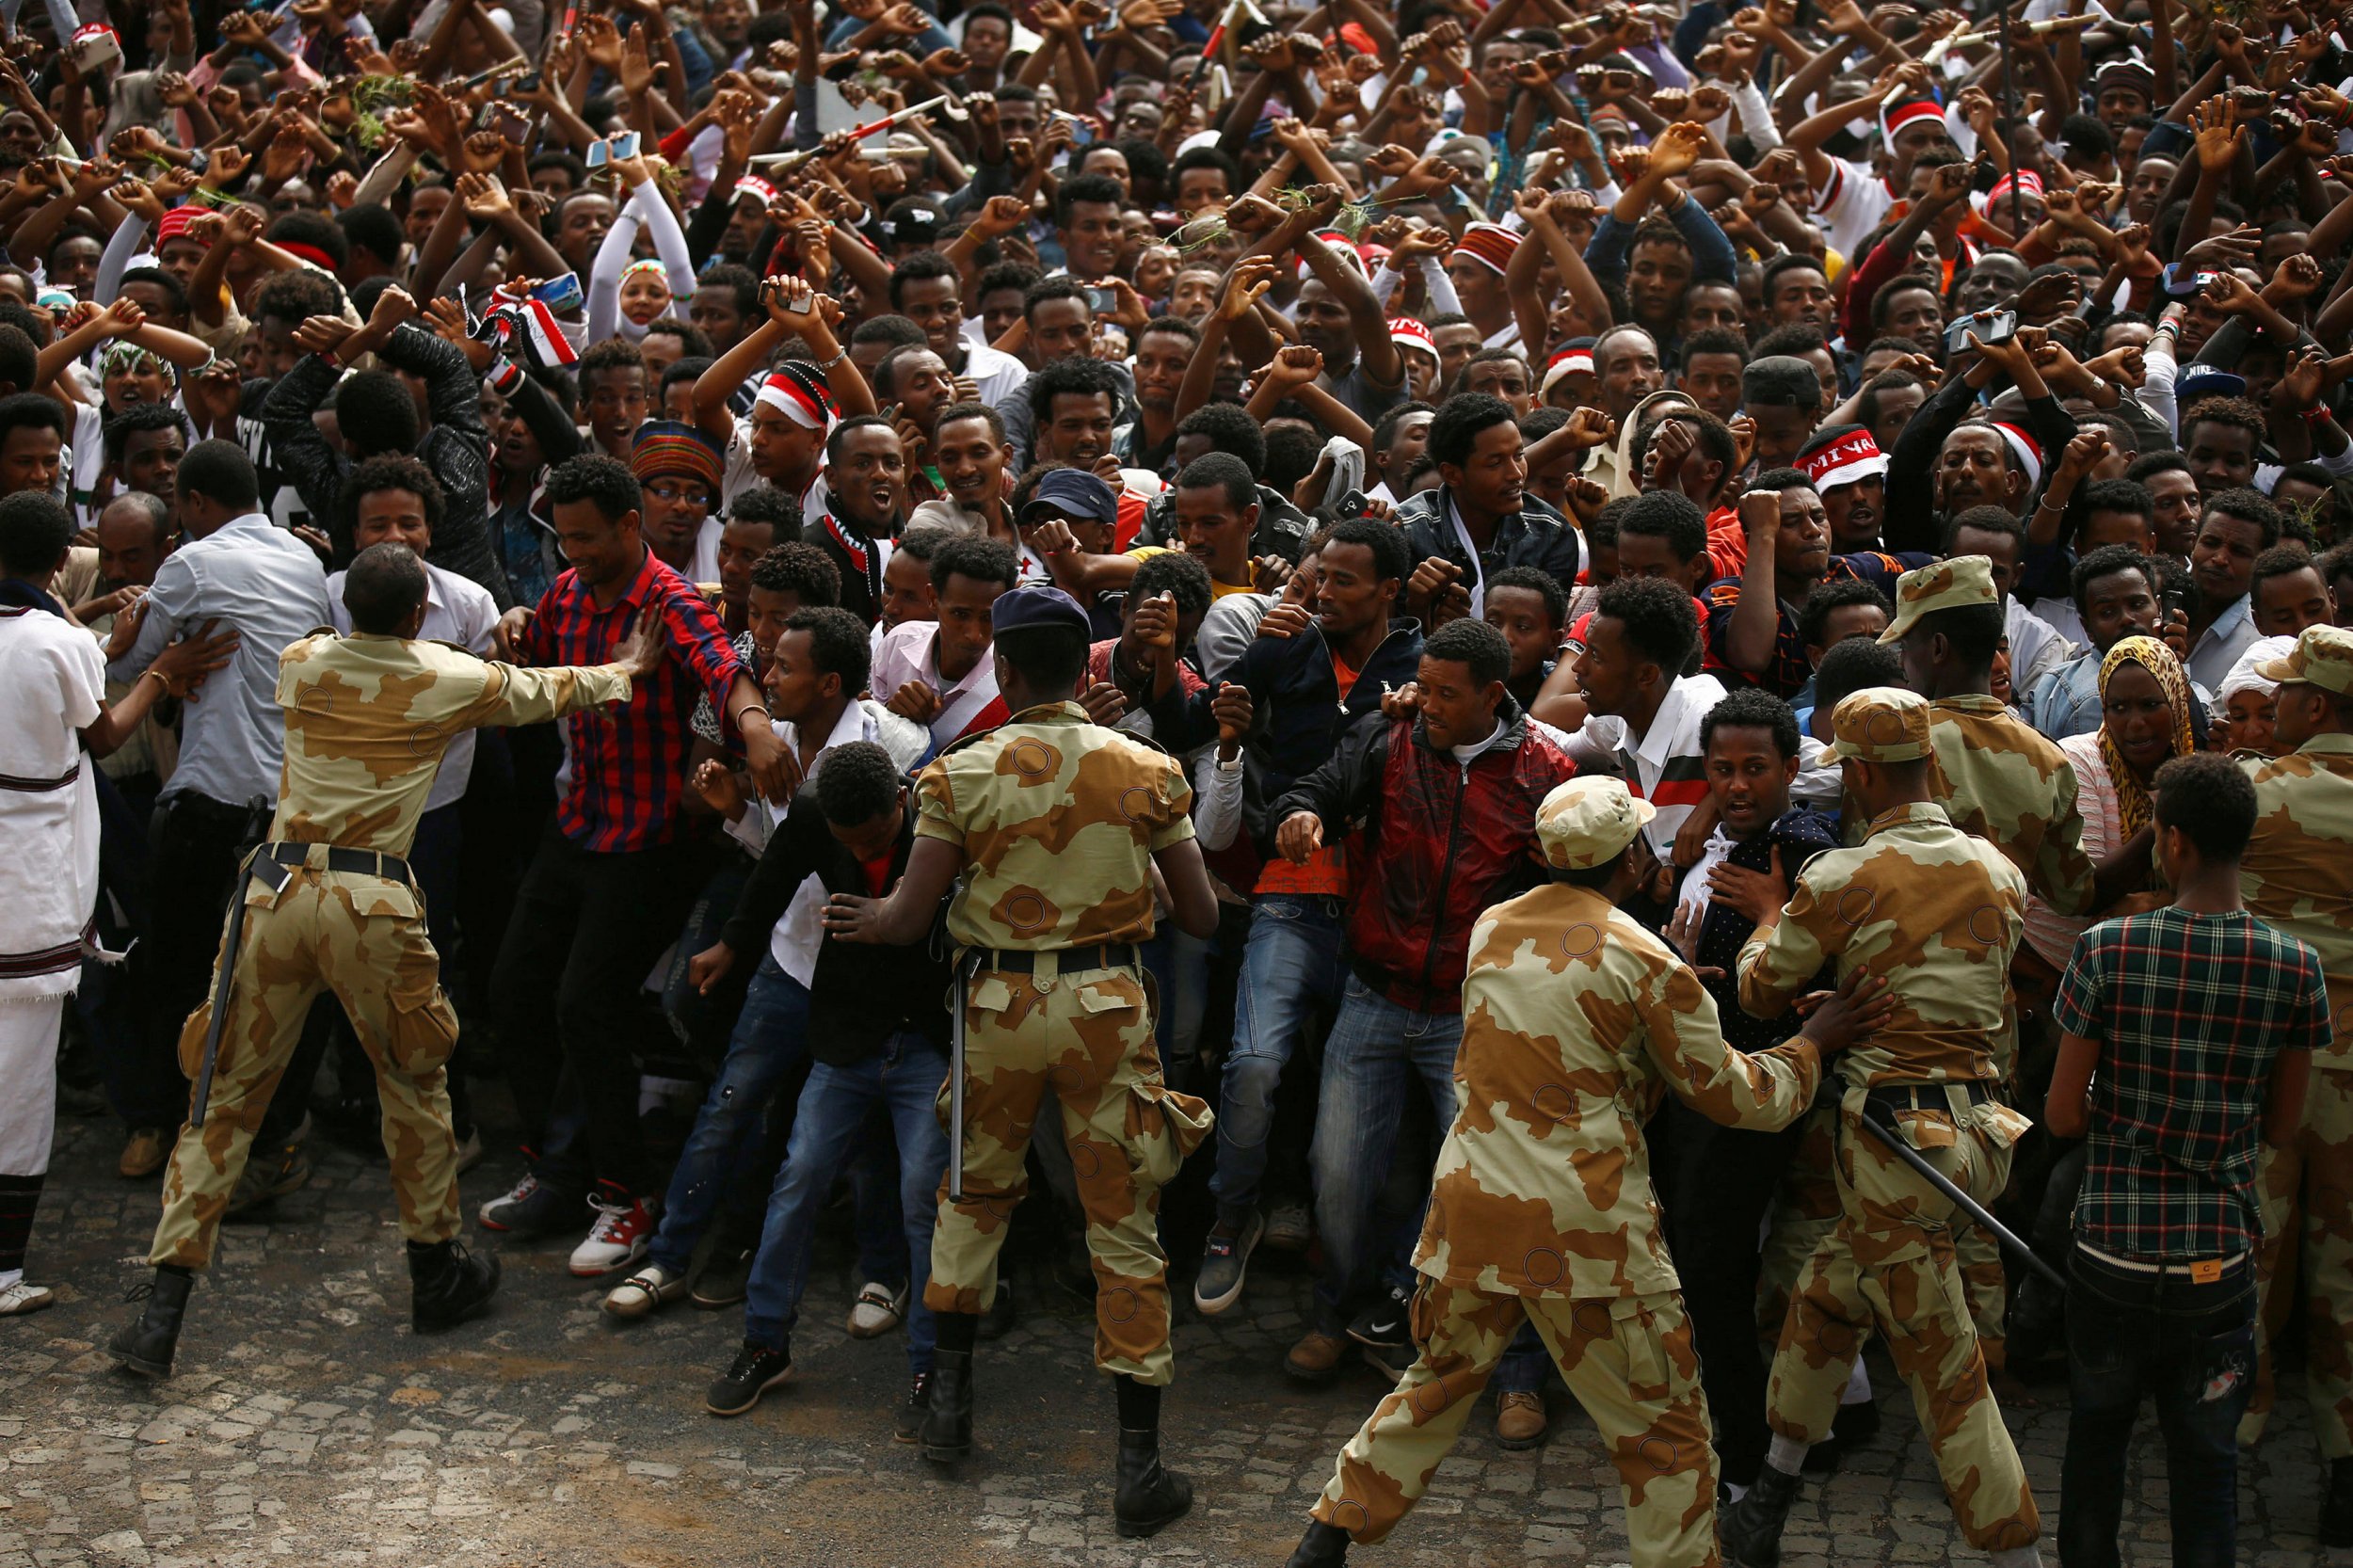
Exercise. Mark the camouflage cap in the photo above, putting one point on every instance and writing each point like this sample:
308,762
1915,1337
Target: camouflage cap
1586,821
2323,656
1881,724
1945,585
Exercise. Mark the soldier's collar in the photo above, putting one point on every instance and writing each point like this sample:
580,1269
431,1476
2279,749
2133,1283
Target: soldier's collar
1066,710
2331,741
1906,814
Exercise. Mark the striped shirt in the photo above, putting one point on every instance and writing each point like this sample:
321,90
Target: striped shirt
1665,764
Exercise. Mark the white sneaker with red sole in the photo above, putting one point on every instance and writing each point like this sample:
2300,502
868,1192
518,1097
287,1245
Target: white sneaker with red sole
620,1238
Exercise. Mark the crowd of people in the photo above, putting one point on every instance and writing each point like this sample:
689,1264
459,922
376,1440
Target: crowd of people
1672,684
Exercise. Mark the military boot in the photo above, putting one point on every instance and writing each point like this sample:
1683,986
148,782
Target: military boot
947,1434
1150,1497
1323,1547
2336,1509
448,1285
1751,1529
146,1345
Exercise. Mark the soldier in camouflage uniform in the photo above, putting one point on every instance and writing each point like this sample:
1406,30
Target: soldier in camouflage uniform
1938,915
1576,1023
2297,874
1055,824
1997,777
328,904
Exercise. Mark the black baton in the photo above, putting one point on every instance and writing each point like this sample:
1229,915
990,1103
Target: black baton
223,982
1968,1205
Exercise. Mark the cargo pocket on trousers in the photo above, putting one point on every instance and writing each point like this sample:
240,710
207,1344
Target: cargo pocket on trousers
421,1031
1163,1126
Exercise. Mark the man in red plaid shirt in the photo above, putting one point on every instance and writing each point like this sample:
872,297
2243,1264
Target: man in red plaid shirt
617,869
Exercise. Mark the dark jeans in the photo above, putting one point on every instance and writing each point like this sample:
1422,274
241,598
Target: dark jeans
2192,1348
1715,1184
585,930
704,1023
194,846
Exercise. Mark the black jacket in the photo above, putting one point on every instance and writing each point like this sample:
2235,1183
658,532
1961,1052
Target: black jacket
1539,536
862,993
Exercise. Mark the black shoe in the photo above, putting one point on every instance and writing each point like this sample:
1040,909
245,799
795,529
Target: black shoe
947,1432
1323,1547
448,1285
726,1279
1850,1428
147,1346
918,1406
1388,1324
2336,1509
1751,1529
755,1371
1151,1496
998,1320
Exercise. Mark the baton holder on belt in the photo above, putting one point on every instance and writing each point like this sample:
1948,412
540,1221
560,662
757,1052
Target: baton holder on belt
966,962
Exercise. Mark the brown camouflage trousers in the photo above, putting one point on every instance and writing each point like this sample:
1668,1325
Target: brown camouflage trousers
1628,1360
1805,1210
2306,1192
1890,1264
310,935
1084,1039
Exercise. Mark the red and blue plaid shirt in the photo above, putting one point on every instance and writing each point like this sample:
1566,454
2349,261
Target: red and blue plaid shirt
629,762
2190,1012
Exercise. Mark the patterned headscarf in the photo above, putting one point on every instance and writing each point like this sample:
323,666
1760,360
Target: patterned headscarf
2133,807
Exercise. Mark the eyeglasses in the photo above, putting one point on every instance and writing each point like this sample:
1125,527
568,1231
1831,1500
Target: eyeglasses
676,495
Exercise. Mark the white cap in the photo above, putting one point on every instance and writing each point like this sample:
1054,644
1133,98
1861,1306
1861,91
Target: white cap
2243,677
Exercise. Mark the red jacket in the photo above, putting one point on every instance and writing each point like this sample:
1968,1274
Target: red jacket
1441,842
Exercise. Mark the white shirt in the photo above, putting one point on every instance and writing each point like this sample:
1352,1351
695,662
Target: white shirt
997,376
1851,205
1664,765
52,685
264,584
793,942
2036,647
456,610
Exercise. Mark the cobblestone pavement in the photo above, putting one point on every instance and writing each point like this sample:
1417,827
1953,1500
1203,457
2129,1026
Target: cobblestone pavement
309,1425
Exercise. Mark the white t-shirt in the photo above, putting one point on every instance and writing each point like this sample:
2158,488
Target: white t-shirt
456,610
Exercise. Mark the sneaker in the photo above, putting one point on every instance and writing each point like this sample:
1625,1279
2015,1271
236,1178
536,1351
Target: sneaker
143,1153
24,1296
1225,1263
878,1310
755,1371
1391,1361
618,1239
1388,1324
268,1174
644,1292
530,1209
1316,1359
1289,1226
1520,1421
468,1151
1002,1315
726,1279
909,1426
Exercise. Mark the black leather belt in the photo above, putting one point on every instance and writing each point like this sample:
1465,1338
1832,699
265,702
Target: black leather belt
362,862
1102,955
1894,1097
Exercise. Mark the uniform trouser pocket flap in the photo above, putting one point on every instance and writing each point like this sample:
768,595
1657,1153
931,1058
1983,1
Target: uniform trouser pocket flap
1163,1126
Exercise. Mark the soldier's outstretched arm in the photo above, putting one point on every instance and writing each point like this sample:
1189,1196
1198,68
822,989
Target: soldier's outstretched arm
904,918
1767,1090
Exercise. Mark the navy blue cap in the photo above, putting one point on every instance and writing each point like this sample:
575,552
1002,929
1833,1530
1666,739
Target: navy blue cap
1019,609
1074,492
2198,382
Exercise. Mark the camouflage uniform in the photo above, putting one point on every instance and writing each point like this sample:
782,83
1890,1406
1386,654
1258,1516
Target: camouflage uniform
2002,780
1576,1024
1058,820
1938,914
2297,874
367,718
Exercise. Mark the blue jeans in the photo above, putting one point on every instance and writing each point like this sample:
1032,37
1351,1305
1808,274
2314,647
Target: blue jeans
2192,1347
902,1078
771,1039
1376,1050
1525,1363
1290,967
